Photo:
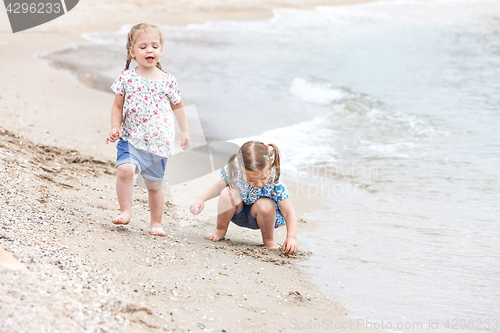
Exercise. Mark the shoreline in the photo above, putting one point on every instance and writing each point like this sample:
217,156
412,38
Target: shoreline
42,95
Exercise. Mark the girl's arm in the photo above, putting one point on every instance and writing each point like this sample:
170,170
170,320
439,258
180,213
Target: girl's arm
180,116
116,119
211,192
290,244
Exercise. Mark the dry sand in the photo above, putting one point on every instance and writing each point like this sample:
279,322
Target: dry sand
57,197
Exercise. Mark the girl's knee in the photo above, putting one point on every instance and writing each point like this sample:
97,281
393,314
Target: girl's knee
154,191
228,197
263,206
225,193
125,171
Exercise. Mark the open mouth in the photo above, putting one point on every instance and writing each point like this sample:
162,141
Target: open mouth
150,59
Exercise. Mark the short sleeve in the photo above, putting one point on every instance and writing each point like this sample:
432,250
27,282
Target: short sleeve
118,86
173,92
223,174
280,191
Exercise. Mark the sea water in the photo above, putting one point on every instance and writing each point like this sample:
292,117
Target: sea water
390,111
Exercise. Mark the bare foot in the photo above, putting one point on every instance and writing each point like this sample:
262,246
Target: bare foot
157,230
123,219
215,235
271,245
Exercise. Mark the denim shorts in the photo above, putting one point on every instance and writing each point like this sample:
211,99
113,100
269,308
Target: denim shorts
150,166
244,218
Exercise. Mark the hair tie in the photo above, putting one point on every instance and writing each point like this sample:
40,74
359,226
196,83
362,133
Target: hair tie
127,65
266,157
267,146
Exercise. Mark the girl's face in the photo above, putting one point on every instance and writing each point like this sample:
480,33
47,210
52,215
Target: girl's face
147,49
258,178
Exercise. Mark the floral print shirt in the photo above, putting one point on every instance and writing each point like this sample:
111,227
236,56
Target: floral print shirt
249,194
148,120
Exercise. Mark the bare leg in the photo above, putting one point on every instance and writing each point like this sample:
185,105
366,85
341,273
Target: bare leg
125,174
229,203
264,211
155,196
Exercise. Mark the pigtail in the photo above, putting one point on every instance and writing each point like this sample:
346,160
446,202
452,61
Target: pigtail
232,171
275,164
130,44
129,60
159,66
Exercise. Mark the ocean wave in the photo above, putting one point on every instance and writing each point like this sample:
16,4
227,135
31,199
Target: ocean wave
316,91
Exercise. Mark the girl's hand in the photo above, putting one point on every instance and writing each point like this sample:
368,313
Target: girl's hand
290,245
185,140
114,134
197,206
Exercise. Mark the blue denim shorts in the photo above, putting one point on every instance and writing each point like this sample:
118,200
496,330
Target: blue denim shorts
244,218
150,166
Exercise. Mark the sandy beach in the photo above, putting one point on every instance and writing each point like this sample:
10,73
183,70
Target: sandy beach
58,195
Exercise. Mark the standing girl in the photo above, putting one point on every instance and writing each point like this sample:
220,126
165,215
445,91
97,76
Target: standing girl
146,100
252,195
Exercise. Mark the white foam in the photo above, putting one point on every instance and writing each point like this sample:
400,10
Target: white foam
353,122
315,91
301,144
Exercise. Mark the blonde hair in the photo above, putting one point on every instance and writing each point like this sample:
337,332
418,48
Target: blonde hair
254,156
132,36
